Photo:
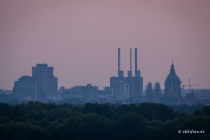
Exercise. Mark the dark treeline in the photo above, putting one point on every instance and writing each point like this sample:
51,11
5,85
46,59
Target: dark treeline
36,120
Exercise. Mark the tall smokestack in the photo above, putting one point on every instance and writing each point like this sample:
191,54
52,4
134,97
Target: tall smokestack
120,73
130,59
118,59
137,72
135,60
130,71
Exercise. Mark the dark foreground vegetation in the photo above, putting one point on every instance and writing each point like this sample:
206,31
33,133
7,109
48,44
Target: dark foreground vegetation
36,120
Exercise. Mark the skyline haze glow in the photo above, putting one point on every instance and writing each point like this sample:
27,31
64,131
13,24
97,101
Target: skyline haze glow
80,38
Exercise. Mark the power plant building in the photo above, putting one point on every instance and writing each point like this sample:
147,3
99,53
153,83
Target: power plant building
130,87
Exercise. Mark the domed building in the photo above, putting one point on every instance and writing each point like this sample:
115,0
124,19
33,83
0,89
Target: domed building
172,83
172,91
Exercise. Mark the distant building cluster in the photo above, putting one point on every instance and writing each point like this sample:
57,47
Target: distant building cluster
43,86
86,93
40,86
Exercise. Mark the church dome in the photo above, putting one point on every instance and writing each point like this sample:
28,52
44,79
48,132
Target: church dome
172,75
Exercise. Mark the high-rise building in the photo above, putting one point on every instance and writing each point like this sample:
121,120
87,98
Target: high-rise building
25,88
47,84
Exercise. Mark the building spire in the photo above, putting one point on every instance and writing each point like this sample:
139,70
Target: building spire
172,70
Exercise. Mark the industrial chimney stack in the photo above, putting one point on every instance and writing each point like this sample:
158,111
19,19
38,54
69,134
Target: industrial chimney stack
118,61
130,71
120,73
137,72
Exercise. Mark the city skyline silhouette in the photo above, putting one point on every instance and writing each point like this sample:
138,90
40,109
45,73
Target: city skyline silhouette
80,40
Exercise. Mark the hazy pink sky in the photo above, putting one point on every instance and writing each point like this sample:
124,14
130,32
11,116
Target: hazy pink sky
79,38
